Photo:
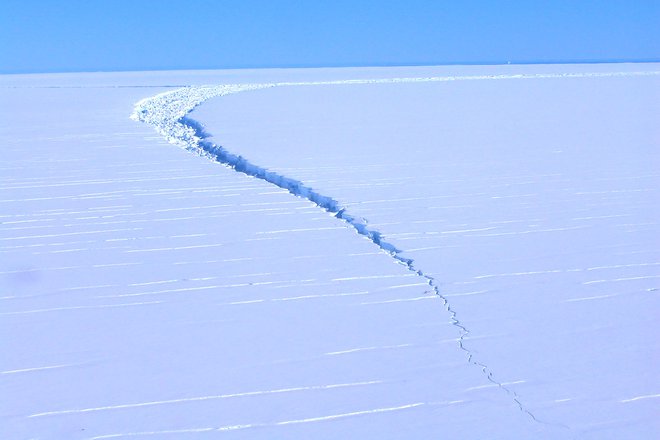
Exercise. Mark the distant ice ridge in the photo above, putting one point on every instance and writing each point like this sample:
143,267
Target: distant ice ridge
167,113
166,110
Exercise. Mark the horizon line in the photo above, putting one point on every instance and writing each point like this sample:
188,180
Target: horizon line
341,65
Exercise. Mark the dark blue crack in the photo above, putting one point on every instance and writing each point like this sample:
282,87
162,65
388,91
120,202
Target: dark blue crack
293,186
299,189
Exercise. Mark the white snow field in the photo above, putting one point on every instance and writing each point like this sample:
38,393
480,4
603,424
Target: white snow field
381,253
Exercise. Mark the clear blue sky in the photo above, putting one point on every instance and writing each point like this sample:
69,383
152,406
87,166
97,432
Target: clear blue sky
113,35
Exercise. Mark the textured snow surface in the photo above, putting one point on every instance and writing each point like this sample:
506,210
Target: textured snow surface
403,253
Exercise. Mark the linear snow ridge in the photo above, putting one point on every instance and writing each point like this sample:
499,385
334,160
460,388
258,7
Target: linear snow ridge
167,113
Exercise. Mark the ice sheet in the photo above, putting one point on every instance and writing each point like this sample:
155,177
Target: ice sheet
148,292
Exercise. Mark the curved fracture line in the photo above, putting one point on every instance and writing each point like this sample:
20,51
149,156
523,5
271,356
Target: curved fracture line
167,113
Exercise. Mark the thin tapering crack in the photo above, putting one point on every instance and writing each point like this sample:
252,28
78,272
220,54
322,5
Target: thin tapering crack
167,113
463,333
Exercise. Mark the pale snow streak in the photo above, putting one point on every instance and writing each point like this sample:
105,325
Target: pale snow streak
235,303
27,237
516,274
403,286
619,266
28,370
296,298
531,231
634,399
157,292
105,182
6,272
97,286
542,272
262,425
495,385
351,414
175,248
418,298
148,283
394,347
206,398
590,298
323,295
116,264
100,306
476,292
372,277
284,231
357,350
622,279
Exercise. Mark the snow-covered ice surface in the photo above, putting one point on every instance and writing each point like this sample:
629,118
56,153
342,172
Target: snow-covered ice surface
152,293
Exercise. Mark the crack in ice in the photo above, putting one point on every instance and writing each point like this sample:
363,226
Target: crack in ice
167,113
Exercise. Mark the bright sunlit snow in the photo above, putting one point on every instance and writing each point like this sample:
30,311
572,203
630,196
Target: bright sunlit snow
387,253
